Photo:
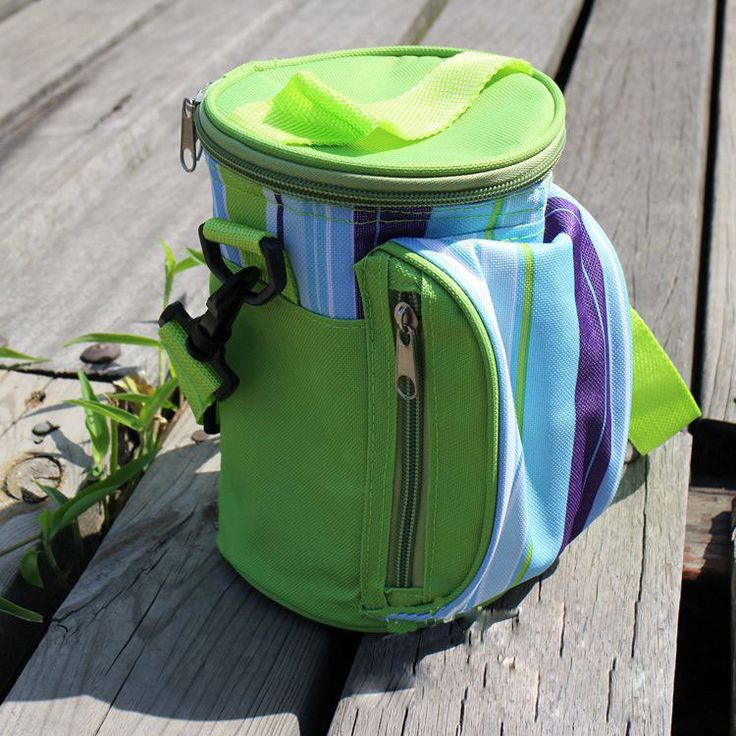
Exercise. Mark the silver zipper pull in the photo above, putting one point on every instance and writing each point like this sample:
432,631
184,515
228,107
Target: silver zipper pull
406,359
188,143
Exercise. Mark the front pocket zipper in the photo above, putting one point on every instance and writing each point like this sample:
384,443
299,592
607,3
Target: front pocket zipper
408,481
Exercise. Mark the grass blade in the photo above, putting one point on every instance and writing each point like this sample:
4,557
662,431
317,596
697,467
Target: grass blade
185,264
29,568
96,425
111,412
95,492
15,355
156,402
13,609
119,338
197,256
53,493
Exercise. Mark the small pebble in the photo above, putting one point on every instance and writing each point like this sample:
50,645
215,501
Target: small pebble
199,435
100,353
44,428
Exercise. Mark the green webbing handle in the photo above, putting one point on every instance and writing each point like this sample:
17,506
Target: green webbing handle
247,240
307,112
661,404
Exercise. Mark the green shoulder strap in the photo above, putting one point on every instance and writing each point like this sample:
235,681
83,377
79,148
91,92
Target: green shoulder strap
661,404
308,112
198,380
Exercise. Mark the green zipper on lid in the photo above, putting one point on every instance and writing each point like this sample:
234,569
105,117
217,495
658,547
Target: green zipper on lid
410,419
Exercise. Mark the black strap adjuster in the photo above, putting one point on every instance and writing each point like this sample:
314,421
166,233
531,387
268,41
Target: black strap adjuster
207,335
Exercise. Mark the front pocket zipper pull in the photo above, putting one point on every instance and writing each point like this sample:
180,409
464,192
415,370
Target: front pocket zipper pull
188,143
406,359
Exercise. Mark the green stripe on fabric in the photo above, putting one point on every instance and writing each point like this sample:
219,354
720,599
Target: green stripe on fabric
524,565
525,333
493,219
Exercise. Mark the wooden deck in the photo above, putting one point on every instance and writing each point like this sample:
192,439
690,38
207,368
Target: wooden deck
160,636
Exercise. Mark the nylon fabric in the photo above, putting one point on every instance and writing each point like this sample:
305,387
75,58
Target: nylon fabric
241,244
198,381
662,404
307,112
404,112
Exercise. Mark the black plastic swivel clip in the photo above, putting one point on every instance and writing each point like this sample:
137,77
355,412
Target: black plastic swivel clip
208,334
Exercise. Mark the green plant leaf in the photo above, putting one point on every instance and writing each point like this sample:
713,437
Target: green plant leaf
96,425
117,338
185,264
197,256
169,257
13,609
112,412
45,522
29,568
53,493
15,355
138,399
96,492
156,402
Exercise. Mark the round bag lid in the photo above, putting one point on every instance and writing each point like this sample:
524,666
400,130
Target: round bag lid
400,111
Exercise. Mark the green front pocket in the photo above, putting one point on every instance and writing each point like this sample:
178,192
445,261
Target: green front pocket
432,435
294,459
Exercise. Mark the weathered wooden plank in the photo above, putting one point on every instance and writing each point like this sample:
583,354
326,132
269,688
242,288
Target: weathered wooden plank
638,114
529,29
588,649
708,532
96,182
17,392
718,388
161,636
47,45
8,7
60,458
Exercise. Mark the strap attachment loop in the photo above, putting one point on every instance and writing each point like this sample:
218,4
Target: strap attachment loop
208,334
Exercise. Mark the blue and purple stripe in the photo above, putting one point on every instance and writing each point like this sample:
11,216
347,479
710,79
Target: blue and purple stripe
591,454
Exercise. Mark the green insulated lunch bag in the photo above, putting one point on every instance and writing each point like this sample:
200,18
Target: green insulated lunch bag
418,350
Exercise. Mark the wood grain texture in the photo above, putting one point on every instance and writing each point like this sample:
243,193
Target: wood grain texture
637,127
96,182
718,389
161,636
51,44
529,29
589,649
8,7
708,533
25,401
64,452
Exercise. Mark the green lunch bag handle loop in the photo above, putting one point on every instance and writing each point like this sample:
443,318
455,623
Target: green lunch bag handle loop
196,345
661,404
307,112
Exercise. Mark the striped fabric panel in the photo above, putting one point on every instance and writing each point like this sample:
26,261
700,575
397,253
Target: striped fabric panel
556,311
325,241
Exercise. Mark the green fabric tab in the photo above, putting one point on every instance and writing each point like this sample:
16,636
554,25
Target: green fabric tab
308,112
661,403
198,381
247,240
